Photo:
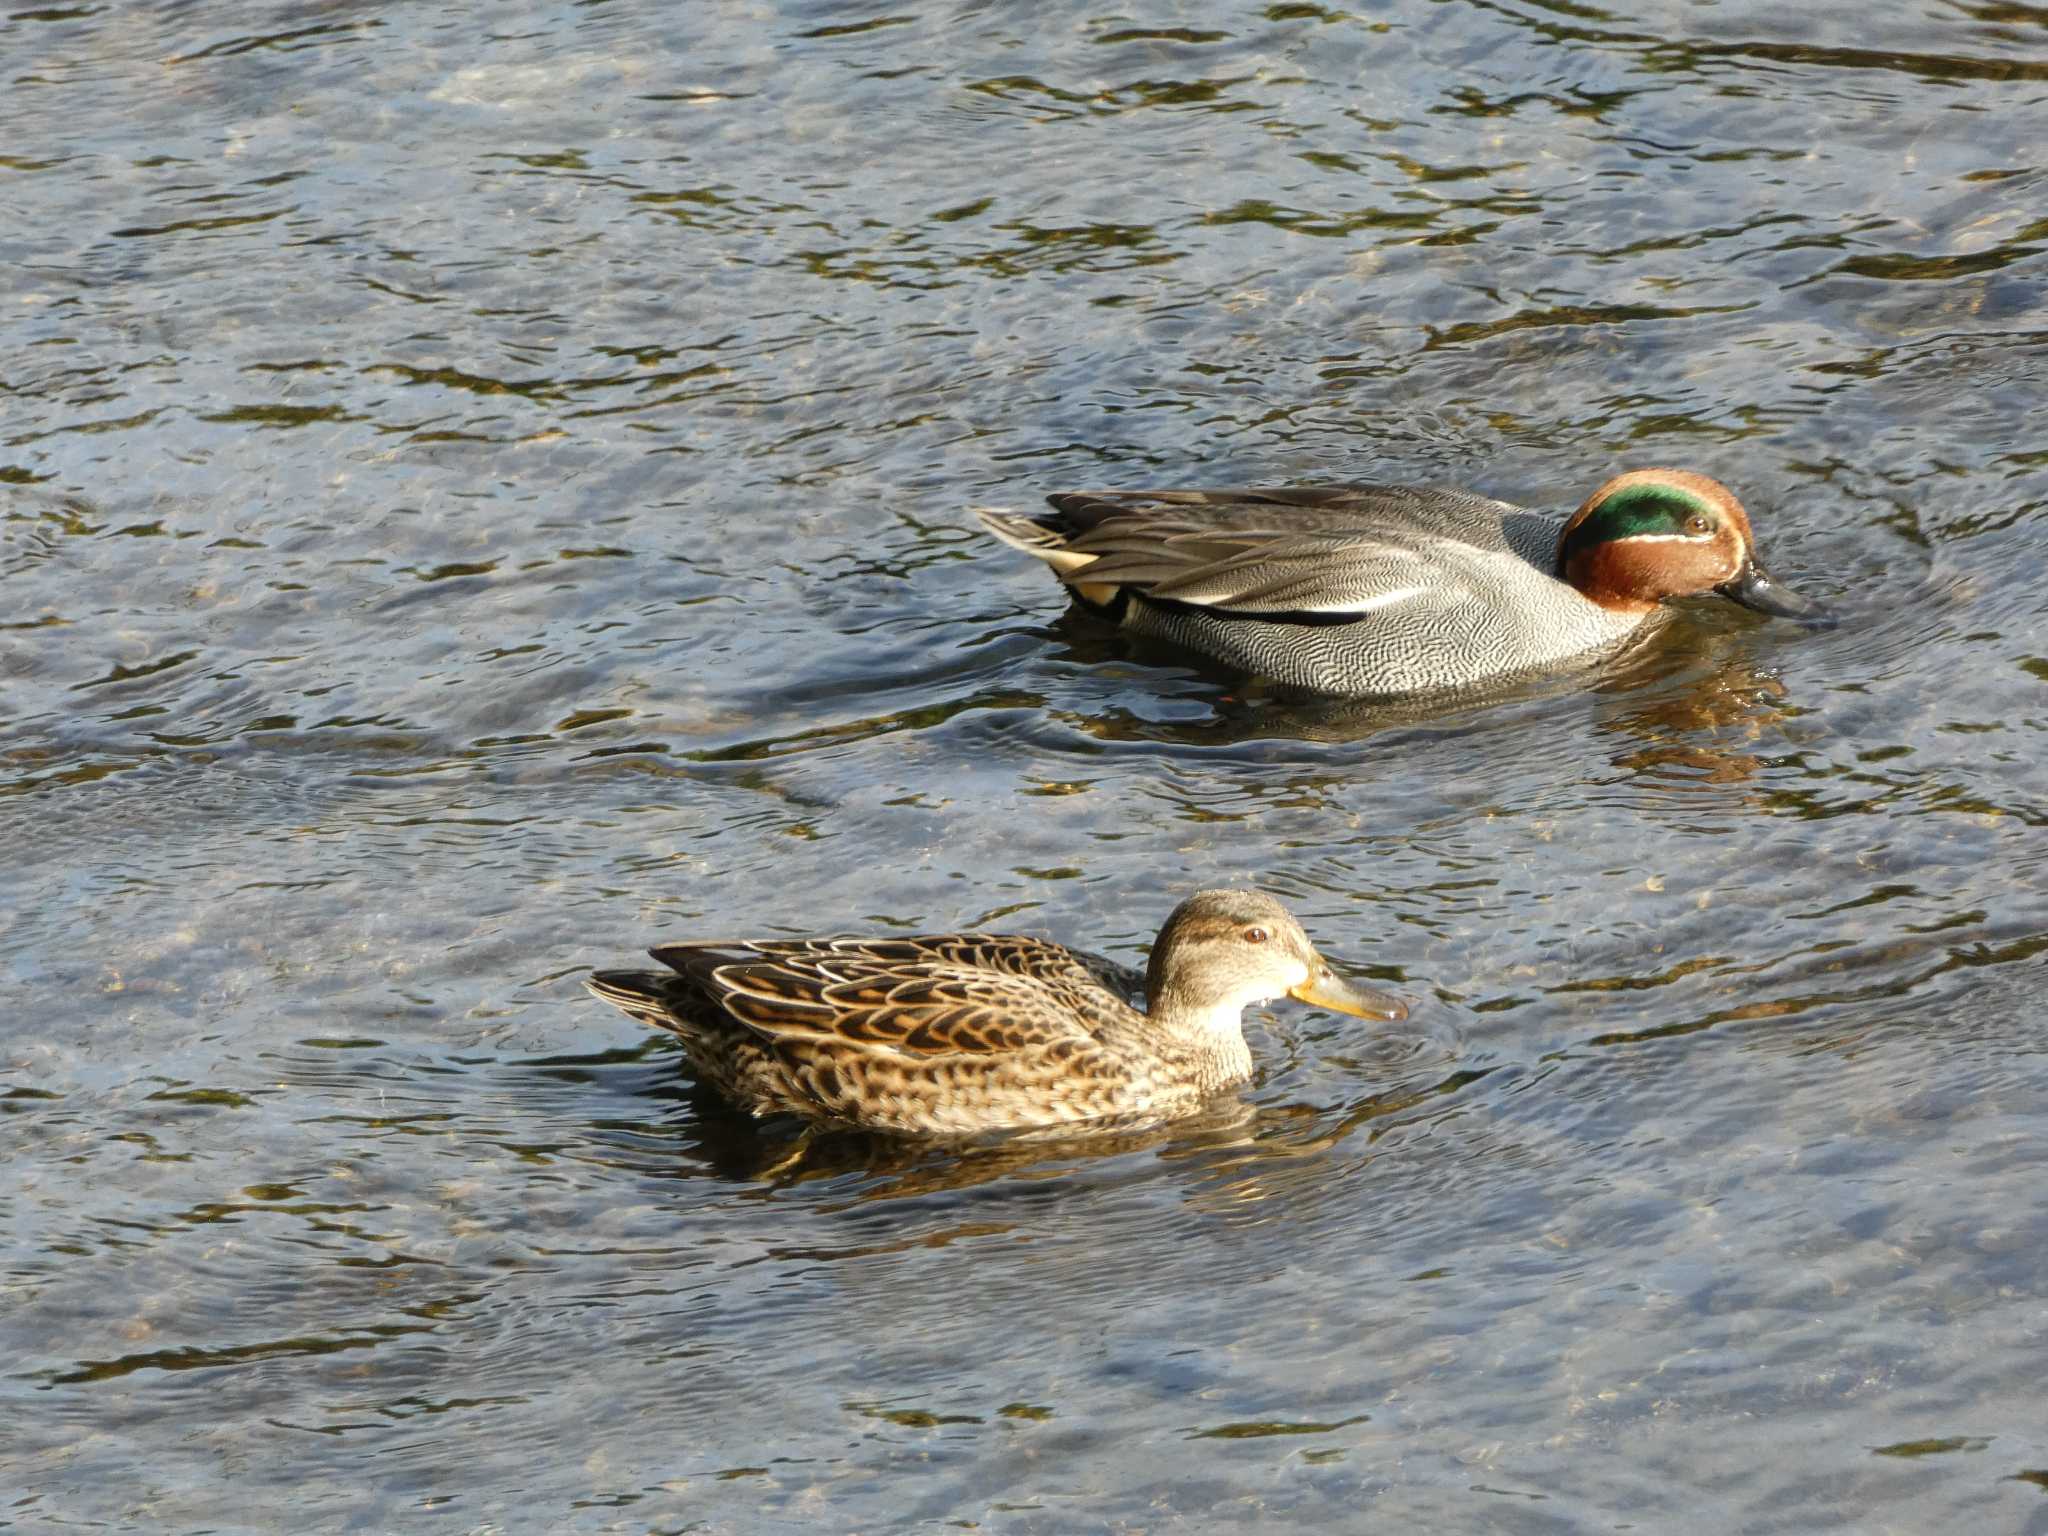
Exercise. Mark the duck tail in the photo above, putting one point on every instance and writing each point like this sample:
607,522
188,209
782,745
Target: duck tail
1046,539
1038,536
643,994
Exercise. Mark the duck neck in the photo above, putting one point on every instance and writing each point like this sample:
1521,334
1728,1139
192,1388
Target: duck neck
1621,576
1210,1027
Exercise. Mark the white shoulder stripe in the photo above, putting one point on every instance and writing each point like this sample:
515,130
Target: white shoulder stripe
1371,604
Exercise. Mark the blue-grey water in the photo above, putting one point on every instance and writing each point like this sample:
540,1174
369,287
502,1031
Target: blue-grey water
485,488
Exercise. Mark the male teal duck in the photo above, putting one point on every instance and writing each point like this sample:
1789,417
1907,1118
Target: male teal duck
957,1033
1389,590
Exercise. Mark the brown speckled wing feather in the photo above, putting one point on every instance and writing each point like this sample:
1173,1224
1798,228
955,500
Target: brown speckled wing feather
940,994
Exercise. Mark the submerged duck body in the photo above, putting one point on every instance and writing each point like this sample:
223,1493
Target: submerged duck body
957,1033
1390,590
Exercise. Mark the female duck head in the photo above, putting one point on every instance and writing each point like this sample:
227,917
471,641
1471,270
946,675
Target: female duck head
1221,951
1650,534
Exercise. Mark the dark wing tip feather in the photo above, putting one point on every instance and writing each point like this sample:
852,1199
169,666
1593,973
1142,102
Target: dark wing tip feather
624,981
635,991
693,957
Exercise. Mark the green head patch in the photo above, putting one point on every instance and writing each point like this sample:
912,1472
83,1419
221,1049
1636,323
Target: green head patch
1652,508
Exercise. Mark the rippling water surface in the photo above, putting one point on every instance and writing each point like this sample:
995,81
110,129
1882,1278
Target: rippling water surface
484,488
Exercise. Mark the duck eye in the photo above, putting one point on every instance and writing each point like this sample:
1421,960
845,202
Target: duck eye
1697,523
1256,935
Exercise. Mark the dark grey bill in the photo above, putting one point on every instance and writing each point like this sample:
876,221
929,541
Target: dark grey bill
1754,587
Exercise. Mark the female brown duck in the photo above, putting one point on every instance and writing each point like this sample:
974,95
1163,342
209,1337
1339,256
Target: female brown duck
955,1033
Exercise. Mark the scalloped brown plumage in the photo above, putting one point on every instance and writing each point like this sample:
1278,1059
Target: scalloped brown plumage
956,1033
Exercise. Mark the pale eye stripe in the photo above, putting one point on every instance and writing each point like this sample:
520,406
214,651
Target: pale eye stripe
1665,538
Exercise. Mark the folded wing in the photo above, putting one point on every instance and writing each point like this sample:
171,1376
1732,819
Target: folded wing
943,995
1322,553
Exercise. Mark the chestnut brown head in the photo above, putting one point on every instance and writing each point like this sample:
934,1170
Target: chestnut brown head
1650,534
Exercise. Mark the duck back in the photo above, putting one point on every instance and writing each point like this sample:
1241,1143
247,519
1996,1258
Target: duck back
1354,589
